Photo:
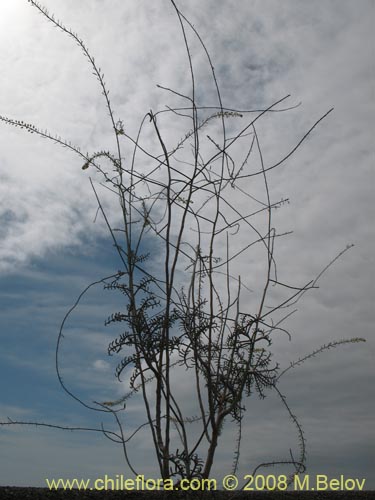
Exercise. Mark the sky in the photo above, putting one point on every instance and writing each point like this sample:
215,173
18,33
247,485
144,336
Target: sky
53,245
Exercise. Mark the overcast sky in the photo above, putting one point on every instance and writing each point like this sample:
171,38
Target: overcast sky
319,52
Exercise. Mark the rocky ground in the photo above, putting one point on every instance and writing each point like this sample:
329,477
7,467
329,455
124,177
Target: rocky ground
12,493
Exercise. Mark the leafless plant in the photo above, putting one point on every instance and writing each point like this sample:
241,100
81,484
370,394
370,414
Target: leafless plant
188,307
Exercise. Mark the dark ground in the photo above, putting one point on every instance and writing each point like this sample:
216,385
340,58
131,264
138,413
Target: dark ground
12,493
